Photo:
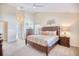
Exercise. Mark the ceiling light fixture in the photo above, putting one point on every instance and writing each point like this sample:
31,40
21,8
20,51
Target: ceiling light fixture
34,5
20,14
37,5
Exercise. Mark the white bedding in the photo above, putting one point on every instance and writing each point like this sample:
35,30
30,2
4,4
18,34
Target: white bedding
45,40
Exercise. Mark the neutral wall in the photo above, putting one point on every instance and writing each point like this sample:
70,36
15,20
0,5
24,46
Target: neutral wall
69,19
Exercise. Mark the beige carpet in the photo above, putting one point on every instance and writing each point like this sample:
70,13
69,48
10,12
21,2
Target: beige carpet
58,50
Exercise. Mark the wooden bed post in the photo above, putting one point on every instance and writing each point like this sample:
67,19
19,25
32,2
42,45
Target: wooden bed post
46,51
26,41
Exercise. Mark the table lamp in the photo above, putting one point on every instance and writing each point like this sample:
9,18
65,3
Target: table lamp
65,30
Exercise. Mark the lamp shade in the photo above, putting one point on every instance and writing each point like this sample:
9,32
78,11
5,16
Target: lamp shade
65,31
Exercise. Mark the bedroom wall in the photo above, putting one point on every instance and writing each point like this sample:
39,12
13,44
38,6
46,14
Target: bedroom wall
69,19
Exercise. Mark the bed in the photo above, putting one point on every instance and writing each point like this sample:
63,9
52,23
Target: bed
45,42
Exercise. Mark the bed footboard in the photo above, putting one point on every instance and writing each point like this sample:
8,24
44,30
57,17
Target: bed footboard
39,47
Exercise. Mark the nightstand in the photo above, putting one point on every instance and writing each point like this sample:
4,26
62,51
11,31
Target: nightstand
65,41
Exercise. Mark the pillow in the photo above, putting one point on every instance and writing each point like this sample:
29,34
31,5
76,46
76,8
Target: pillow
52,32
48,32
45,33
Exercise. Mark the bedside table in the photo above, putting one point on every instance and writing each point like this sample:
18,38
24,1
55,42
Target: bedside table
65,41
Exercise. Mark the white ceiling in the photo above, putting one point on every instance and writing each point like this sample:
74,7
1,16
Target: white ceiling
48,7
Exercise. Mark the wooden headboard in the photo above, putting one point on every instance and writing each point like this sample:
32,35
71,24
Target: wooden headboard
52,28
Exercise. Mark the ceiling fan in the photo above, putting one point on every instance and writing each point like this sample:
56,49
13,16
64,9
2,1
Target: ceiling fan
37,5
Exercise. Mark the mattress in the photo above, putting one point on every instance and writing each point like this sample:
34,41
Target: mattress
44,40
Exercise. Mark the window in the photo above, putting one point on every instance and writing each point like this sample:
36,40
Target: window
29,24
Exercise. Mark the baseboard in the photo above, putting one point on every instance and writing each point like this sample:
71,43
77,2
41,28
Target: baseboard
74,45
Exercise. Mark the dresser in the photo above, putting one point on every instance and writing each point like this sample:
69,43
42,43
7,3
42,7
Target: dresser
64,41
